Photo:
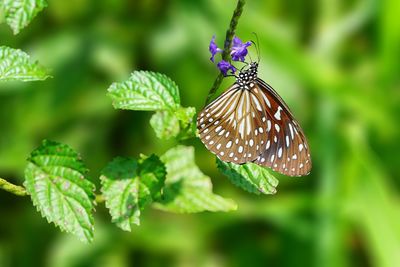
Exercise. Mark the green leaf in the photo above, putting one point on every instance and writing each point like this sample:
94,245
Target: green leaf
187,122
165,124
17,65
250,177
19,13
129,185
187,189
179,123
55,179
145,90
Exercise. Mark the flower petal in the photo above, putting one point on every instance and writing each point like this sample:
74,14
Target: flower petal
225,66
214,48
239,49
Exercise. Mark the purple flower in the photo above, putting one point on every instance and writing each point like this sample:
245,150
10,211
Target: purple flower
214,48
239,49
224,66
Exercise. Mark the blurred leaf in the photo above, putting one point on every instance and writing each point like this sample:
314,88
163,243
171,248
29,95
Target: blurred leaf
129,185
165,124
187,121
17,65
145,90
187,189
19,13
250,177
180,123
55,179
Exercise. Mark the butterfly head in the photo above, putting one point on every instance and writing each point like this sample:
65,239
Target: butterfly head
247,76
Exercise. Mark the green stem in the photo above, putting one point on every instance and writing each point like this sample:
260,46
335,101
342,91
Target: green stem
12,188
227,45
100,199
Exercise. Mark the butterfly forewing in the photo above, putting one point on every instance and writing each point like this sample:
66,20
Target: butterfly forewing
250,122
231,126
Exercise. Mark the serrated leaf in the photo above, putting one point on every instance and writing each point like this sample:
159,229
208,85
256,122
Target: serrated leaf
187,189
145,90
55,180
17,65
129,185
179,124
19,13
250,177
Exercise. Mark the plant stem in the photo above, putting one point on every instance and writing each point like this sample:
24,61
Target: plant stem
12,188
100,199
227,45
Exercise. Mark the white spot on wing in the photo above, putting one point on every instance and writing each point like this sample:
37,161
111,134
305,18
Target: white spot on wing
229,144
280,152
300,147
277,115
269,125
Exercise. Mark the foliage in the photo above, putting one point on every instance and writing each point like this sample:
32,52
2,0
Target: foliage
130,185
250,176
17,65
19,13
187,189
145,91
55,180
152,91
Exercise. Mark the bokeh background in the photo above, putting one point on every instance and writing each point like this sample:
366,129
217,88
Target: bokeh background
337,65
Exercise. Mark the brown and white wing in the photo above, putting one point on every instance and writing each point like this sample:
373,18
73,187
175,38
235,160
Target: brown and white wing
233,126
286,149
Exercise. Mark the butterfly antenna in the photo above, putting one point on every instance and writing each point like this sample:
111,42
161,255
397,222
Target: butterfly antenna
251,60
256,45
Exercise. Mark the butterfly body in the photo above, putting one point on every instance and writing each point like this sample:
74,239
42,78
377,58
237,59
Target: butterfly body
250,122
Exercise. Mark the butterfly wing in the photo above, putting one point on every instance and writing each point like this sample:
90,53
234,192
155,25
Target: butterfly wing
286,150
255,124
233,126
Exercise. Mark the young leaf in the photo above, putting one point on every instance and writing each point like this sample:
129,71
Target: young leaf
17,65
55,179
187,122
19,13
187,189
165,124
179,123
128,185
145,90
250,177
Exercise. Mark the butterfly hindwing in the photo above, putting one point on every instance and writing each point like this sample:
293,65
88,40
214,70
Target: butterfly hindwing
286,151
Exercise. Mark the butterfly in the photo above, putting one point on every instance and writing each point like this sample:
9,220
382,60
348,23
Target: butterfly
250,122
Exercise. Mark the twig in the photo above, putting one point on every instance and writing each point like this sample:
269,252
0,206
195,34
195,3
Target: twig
227,45
12,188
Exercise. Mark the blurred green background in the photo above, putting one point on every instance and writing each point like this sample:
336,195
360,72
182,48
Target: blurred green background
337,65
